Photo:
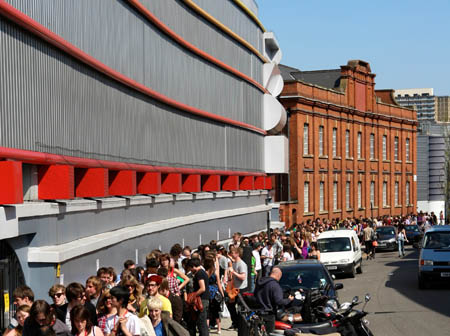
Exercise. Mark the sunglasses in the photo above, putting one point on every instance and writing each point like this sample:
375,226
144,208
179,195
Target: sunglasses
58,295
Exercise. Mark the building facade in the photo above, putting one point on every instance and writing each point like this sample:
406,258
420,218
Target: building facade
351,149
128,126
423,100
443,109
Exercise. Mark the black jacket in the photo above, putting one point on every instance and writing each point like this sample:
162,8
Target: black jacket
61,312
31,328
269,294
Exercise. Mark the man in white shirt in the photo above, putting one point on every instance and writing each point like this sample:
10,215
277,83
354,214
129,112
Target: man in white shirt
267,255
124,323
256,265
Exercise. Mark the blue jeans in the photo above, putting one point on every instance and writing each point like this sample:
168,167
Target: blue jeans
401,247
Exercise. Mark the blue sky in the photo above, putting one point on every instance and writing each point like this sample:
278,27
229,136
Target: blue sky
406,42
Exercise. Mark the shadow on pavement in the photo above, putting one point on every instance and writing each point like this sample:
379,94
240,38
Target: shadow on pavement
404,280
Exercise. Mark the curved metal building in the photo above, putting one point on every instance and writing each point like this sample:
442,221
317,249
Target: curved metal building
128,125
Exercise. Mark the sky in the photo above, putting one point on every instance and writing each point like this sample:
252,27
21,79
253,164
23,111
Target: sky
406,42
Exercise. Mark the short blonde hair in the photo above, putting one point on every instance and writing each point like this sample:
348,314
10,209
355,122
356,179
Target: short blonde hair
154,303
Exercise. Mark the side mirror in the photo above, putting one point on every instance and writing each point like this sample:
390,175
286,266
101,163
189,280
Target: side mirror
367,297
338,286
355,300
333,276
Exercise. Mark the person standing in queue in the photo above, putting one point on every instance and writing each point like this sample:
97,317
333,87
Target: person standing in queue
268,294
237,273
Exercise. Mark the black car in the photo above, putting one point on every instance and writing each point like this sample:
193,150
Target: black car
413,234
310,274
386,238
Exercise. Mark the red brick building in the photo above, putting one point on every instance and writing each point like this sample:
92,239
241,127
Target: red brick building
351,148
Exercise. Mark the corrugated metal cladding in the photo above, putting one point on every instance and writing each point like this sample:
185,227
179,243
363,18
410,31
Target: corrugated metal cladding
227,12
193,28
116,35
51,103
422,168
436,167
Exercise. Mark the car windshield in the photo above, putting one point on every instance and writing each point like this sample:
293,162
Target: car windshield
314,277
412,228
437,240
386,231
334,244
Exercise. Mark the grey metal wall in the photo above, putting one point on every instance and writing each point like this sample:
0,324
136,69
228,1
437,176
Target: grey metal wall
61,106
227,12
114,33
422,167
436,166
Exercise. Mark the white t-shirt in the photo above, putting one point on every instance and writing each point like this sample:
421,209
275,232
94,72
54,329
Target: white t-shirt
132,324
268,253
288,256
257,260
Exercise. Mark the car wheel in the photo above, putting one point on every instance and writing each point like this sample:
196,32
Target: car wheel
359,269
421,283
353,271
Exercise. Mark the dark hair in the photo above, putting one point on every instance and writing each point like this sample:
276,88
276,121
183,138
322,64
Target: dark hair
121,294
113,273
128,263
195,262
152,263
162,271
103,270
209,263
74,291
24,292
41,306
80,313
176,250
46,331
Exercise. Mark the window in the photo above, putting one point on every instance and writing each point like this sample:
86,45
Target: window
335,195
372,194
305,139
347,143
384,147
372,146
306,197
385,194
407,193
347,195
407,149
334,142
396,148
396,193
358,145
359,195
322,196
321,141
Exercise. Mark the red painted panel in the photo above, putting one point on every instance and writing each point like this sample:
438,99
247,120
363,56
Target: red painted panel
91,182
122,182
230,182
171,183
360,96
149,183
210,182
11,190
191,183
246,183
260,182
268,185
56,182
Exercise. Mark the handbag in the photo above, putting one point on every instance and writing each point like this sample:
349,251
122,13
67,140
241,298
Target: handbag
374,243
194,302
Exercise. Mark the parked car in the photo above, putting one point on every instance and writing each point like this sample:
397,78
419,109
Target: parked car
340,251
310,274
434,258
414,234
386,238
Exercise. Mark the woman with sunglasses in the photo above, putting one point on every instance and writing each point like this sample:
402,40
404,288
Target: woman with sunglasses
135,289
106,310
81,322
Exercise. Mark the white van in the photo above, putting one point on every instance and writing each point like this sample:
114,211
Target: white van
340,251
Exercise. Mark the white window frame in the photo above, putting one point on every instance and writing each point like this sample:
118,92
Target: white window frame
306,197
385,196
335,195
347,143
305,139
372,146
321,143
396,186
407,149
372,194
396,148
347,195
384,147
334,142
359,195
322,196
407,193
359,145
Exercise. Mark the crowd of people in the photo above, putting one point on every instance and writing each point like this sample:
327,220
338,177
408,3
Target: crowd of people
184,291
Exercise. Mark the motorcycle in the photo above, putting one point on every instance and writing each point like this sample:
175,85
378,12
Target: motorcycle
344,320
